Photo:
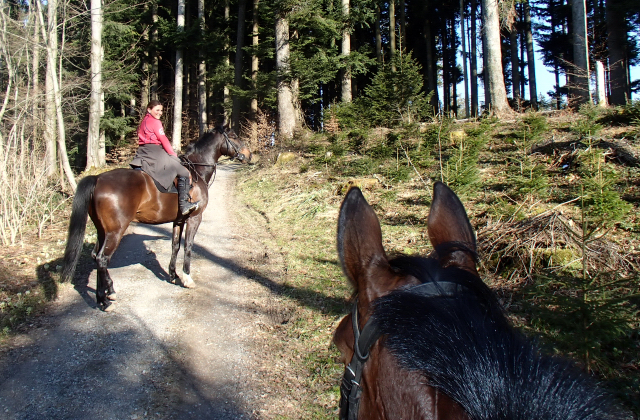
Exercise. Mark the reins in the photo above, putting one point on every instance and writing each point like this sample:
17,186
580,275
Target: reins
350,387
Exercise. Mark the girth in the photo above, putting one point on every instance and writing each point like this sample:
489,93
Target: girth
350,388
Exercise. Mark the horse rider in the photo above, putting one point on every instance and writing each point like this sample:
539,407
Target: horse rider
156,157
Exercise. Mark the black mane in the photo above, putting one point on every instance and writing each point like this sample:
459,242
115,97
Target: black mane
465,347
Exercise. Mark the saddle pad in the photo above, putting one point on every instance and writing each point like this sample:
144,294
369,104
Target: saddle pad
171,190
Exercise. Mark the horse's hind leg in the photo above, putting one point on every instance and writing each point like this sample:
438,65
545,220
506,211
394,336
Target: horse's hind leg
105,292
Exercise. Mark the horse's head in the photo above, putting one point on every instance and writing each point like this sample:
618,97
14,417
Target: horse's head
427,339
233,146
373,275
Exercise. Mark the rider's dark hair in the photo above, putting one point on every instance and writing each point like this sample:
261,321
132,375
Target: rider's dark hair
153,103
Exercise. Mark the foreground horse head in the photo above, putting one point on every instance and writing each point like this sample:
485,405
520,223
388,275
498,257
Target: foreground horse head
427,339
115,198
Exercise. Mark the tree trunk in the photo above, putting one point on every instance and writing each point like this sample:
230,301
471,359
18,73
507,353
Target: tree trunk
36,73
93,136
495,78
286,111
531,63
176,137
227,62
403,26
474,60
463,35
154,53
581,91
432,66
235,114
255,41
378,34
202,75
346,51
446,84
617,43
515,66
57,96
392,34
51,41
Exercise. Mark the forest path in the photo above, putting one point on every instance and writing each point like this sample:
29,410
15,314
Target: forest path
166,352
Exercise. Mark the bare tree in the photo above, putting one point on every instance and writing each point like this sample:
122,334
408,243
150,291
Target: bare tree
202,75
346,51
255,41
176,137
494,71
581,92
95,147
287,114
237,81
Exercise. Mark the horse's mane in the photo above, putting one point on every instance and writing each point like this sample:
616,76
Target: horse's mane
466,348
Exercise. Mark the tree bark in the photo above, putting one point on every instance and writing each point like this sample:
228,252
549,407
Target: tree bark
346,51
235,114
225,91
176,137
531,63
463,35
515,66
57,96
94,155
493,53
287,121
144,67
378,34
392,33
35,73
474,60
202,75
154,50
432,65
51,41
581,91
617,43
255,64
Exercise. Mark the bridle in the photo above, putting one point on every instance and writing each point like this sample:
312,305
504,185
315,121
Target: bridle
350,387
191,165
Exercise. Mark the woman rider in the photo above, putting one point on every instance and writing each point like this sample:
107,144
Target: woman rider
156,157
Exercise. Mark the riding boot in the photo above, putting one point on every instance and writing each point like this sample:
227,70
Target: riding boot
184,205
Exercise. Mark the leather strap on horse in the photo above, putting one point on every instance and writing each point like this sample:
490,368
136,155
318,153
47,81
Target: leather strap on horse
350,388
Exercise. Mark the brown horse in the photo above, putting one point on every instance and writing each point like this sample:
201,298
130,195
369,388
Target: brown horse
427,339
116,198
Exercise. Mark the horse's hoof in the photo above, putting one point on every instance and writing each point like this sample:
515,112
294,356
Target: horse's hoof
187,281
112,297
107,306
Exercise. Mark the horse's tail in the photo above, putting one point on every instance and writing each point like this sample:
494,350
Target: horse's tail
77,225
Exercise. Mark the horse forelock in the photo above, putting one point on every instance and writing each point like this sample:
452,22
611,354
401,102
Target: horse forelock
465,347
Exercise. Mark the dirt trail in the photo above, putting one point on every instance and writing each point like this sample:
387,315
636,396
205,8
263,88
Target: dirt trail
166,352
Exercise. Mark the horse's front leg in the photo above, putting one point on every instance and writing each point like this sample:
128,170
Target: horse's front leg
175,247
192,227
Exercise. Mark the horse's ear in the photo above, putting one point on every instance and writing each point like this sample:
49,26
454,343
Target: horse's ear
360,249
449,229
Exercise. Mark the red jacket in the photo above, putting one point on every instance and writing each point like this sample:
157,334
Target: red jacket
151,132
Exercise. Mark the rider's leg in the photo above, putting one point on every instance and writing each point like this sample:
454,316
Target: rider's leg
184,205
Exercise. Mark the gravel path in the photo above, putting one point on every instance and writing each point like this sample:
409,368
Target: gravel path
166,352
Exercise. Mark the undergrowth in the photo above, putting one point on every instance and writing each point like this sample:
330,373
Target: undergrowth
558,243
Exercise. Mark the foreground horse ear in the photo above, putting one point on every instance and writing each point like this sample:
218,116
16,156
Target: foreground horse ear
449,229
360,250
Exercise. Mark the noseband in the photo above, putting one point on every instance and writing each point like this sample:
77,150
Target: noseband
238,155
351,388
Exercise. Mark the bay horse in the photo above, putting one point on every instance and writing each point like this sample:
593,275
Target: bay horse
427,339
118,197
